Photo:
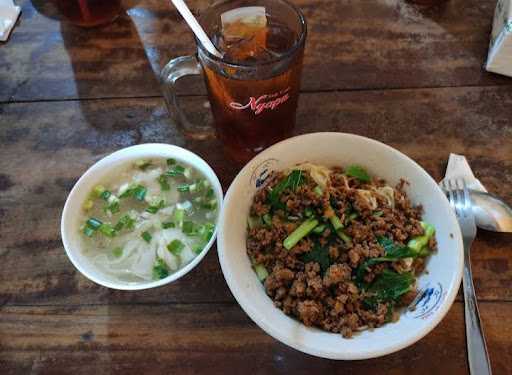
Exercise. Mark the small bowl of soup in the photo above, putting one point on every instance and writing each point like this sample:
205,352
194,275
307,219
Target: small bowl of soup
142,217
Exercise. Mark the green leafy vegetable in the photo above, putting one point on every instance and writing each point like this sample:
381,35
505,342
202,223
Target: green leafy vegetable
389,286
358,172
146,236
292,181
392,254
319,255
160,270
175,247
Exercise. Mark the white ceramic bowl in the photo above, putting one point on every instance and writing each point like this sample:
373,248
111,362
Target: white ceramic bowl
330,149
70,224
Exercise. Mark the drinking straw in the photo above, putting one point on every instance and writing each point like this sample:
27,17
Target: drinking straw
196,27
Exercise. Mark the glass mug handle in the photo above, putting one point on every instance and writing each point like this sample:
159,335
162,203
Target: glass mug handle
172,72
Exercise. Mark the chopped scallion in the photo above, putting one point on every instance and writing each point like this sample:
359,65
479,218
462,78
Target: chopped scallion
177,170
210,204
98,190
189,228
142,164
164,185
153,209
160,270
197,248
183,188
146,236
94,223
168,224
88,204
105,195
107,229
179,215
88,231
210,193
117,252
175,247
125,222
139,192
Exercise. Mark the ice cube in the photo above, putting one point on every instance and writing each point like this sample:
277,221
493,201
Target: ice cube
244,33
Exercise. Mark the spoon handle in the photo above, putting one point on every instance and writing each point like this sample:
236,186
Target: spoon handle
478,356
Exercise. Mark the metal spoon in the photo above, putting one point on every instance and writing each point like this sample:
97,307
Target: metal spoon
491,213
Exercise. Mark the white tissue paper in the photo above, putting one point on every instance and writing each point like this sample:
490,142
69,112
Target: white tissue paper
9,14
458,167
499,59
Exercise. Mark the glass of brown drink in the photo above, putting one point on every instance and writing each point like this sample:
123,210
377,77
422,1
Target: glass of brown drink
254,87
90,13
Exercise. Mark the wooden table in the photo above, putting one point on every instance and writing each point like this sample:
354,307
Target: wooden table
407,76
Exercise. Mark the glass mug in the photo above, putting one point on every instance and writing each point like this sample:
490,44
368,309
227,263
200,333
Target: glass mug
253,102
90,13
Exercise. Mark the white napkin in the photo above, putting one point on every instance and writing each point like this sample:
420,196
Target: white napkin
9,14
458,167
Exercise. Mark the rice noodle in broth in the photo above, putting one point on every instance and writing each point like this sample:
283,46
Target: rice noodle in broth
148,220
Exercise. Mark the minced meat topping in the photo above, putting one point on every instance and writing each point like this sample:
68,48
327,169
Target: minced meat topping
340,254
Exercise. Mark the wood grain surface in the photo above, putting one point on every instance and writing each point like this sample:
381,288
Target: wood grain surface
408,76
211,339
352,45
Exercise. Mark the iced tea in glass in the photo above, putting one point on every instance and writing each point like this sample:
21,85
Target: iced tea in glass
254,88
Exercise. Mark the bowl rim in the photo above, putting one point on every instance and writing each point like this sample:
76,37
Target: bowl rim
268,328
104,164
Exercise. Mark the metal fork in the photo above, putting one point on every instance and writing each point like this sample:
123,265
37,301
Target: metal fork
460,200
